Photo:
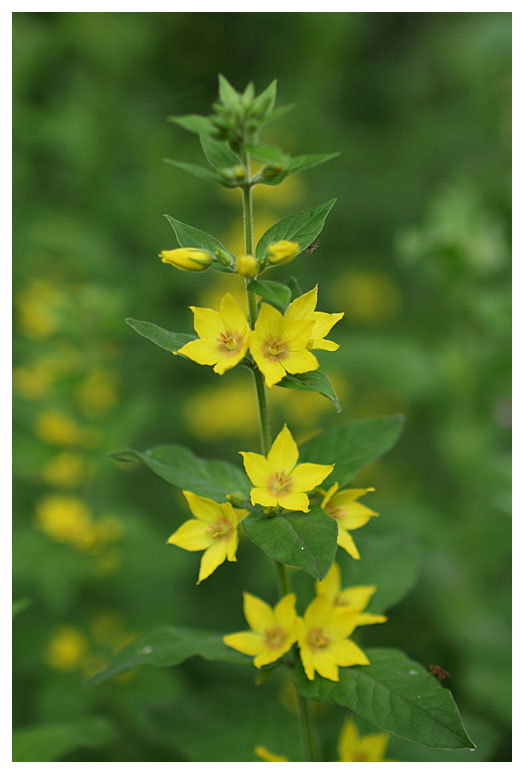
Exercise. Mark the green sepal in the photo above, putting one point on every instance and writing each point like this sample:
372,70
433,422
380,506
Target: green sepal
397,695
168,340
301,227
308,541
315,381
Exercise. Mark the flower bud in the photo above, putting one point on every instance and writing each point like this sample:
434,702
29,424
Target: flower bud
223,257
236,498
188,259
247,266
282,251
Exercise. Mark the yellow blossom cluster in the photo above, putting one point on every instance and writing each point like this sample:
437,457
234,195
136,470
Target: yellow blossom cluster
68,520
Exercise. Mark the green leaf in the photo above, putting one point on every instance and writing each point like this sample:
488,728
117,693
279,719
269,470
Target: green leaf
168,340
302,227
190,237
228,96
20,605
396,694
267,154
198,124
277,294
352,446
218,153
299,164
51,742
280,112
179,466
308,541
263,104
315,381
199,172
169,646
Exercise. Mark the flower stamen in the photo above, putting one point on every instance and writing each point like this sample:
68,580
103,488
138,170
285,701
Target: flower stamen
317,639
279,483
274,638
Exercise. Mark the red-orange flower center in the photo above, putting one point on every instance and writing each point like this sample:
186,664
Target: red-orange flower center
230,342
275,348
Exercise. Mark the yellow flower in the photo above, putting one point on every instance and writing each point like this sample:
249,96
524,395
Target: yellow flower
278,480
68,469
369,748
55,427
214,530
267,756
66,649
187,259
303,308
279,345
352,598
323,639
98,392
223,336
246,266
273,630
282,251
349,515
66,519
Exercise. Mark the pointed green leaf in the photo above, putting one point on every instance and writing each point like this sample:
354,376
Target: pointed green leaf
302,163
308,541
179,466
51,742
218,153
302,227
228,95
315,381
280,112
277,294
190,237
267,154
168,340
263,104
396,694
198,124
352,446
169,646
203,173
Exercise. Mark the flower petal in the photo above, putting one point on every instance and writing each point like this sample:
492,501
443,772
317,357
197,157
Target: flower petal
211,559
374,746
294,501
347,653
328,494
346,542
269,323
207,322
367,618
323,344
297,333
318,612
323,322
330,586
231,546
348,741
307,658
262,496
203,508
257,613
284,452
306,476
232,315
325,665
202,351
302,306
285,614
227,361
192,536
300,361
257,468
357,597
342,622
246,642
355,515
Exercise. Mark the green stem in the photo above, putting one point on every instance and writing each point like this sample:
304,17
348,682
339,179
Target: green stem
266,442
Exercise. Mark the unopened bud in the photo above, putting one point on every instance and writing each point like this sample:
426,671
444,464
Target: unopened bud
282,251
223,257
236,498
247,266
187,259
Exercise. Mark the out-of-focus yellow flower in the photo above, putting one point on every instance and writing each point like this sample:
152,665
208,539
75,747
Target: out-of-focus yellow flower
204,411
213,293
303,308
223,336
351,598
246,265
66,519
267,756
370,298
66,649
282,251
214,530
278,480
98,392
187,259
68,469
279,346
37,309
323,640
342,506
273,630
107,530
108,628
369,748
53,426
33,381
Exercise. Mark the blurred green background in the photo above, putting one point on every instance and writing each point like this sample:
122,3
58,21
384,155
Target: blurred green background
416,253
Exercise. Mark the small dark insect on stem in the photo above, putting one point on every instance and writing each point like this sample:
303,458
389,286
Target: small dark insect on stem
439,672
312,247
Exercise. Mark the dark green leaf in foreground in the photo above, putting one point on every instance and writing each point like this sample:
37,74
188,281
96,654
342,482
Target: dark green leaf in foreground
203,173
302,228
169,646
352,446
179,466
308,541
315,381
277,294
168,340
51,742
191,237
396,694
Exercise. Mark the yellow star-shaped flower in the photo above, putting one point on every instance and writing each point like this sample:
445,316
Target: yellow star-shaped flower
273,630
323,639
214,530
279,346
342,506
278,480
351,598
369,748
223,336
303,308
